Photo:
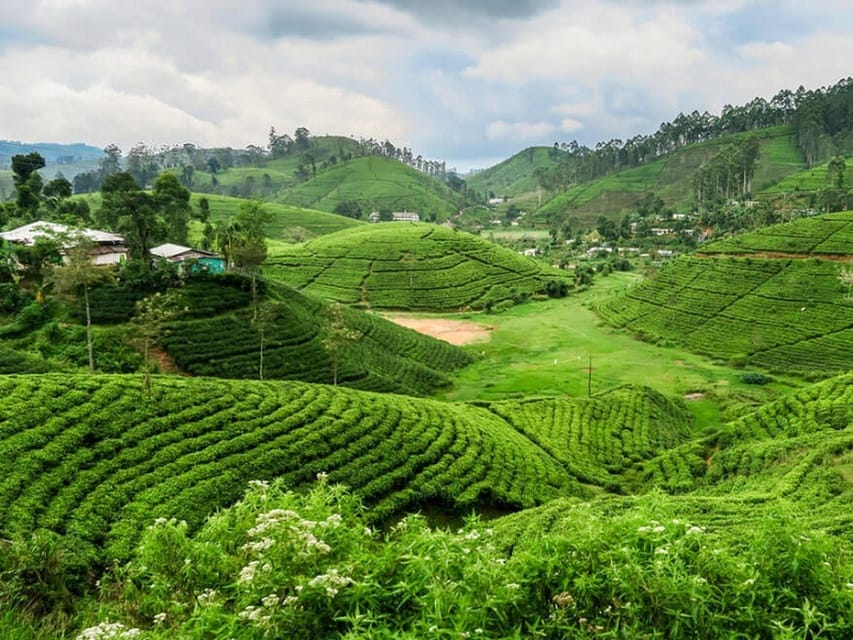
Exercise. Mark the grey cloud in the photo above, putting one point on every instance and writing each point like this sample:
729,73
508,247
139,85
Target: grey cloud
455,11
313,26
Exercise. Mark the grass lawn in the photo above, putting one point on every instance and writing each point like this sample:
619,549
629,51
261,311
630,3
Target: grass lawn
543,348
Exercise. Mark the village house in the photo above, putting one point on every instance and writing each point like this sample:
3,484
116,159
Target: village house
198,259
107,248
396,216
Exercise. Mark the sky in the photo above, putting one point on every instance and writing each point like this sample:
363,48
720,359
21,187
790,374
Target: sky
470,82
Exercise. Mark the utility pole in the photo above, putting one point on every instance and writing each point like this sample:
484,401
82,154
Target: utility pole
589,379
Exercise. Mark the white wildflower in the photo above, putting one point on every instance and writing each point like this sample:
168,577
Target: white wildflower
662,551
160,618
270,601
247,573
513,585
259,484
694,530
206,597
472,535
659,529
109,631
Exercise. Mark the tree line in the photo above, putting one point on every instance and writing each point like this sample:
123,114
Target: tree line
822,120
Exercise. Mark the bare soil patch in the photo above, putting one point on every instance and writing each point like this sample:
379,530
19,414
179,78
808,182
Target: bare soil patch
458,332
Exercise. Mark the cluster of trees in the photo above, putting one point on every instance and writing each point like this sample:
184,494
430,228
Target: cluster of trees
728,174
822,120
35,198
282,145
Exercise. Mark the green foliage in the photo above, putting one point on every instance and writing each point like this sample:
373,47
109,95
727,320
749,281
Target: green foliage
386,357
409,266
283,217
784,315
375,183
513,176
282,564
826,234
91,458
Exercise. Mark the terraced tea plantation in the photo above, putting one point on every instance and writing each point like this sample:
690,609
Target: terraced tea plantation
782,314
96,459
409,266
830,234
380,356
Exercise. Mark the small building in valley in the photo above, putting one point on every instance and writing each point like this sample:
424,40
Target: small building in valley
197,260
396,216
106,248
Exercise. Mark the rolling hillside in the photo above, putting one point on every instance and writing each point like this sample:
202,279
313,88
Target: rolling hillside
219,338
268,176
285,218
216,335
670,178
807,181
194,444
409,266
782,313
514,175
792,456
376,183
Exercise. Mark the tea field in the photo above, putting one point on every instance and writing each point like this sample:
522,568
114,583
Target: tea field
409,266
96,458
782,314
829,234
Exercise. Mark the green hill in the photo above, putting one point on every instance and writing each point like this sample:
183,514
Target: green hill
792,456
830,234
807,181
783,314
514,175
285,218
267,176
409,266
598,439
193,445
376,183
215,334
223,341
670,178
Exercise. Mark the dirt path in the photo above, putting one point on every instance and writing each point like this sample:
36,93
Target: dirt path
456,332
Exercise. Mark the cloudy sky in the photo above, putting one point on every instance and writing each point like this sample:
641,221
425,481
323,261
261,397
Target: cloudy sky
467,81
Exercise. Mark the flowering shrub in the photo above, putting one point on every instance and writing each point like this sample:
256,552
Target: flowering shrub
284,565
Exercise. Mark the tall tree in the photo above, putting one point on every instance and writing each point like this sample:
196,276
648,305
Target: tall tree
129,210
76,276
28,183
173,203
337,335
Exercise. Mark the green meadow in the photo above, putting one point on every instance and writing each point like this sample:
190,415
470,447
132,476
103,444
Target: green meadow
543,349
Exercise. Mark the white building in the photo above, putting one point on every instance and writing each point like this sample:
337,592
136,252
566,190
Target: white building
107,248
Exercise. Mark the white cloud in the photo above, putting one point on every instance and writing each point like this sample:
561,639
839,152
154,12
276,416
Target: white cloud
522,132
570,125
101,71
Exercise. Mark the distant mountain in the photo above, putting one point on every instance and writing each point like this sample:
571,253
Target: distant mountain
68,159
53,153
671,178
